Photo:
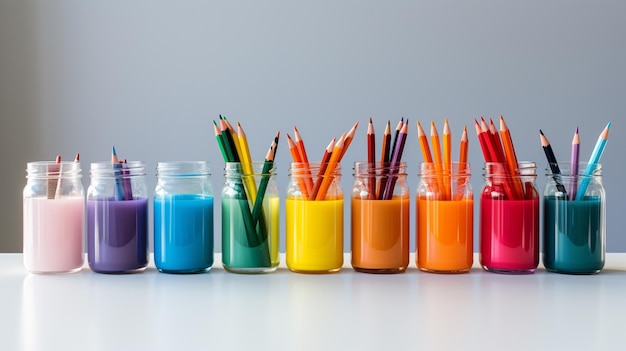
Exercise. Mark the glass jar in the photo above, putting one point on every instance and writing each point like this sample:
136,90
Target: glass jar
117,218
183,217
314,228
380,220
445,219
574,228
250,219
54,211
509,219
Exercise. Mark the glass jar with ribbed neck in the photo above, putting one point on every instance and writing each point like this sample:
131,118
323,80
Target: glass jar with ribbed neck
509,219
445,219
54,210
314,218
183,217
250,218
117,217
574,220
380,218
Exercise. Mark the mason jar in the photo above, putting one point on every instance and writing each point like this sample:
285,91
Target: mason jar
314,225
445,219
183,217
117,218
250,218
380,217
574,227
509,219
53,216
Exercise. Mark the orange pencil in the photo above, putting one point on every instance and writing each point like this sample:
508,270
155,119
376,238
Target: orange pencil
423,140
511,158
323,164
295,155
434,137
348,140
304,159
462,162
447,157
335,158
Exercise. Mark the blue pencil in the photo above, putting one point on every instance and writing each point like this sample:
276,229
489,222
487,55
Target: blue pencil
119,187
593,162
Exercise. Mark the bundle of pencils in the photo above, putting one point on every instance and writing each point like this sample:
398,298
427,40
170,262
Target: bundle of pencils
54,184
442,164
123,188
576,191
234,148
330,160
391,156
501,153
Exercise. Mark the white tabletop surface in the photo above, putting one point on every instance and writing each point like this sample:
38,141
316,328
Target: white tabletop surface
288,311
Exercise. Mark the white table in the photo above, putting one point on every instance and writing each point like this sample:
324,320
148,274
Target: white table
288,311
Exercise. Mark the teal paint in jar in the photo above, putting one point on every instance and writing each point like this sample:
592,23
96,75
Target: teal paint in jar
250,239
574,231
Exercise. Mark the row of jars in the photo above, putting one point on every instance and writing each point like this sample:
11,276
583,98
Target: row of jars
117,219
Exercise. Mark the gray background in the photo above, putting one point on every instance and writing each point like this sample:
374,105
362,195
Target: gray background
150,76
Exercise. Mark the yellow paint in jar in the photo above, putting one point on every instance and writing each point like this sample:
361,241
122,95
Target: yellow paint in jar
314,235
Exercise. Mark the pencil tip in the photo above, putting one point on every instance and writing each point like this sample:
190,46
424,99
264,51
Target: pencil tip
540,132
113,151
608,125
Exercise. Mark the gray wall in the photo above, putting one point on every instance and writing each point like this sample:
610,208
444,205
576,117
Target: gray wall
150,76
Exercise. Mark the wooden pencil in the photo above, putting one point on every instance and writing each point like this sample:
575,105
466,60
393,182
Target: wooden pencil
371,159
574,165
552,162
596,154
328,177
323,164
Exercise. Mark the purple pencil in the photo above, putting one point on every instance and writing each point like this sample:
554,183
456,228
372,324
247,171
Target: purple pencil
395,160
574,166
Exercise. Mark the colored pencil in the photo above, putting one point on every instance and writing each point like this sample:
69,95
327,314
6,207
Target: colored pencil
328,178
462,164
246,164
436,147
128,190
552,162
371,159
308,181
511,159
323,164
117,166
386,146
482,142
423,140
267,168
447,158
395,161
596,154
349,138
497,141
54,171
230,144
574,165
